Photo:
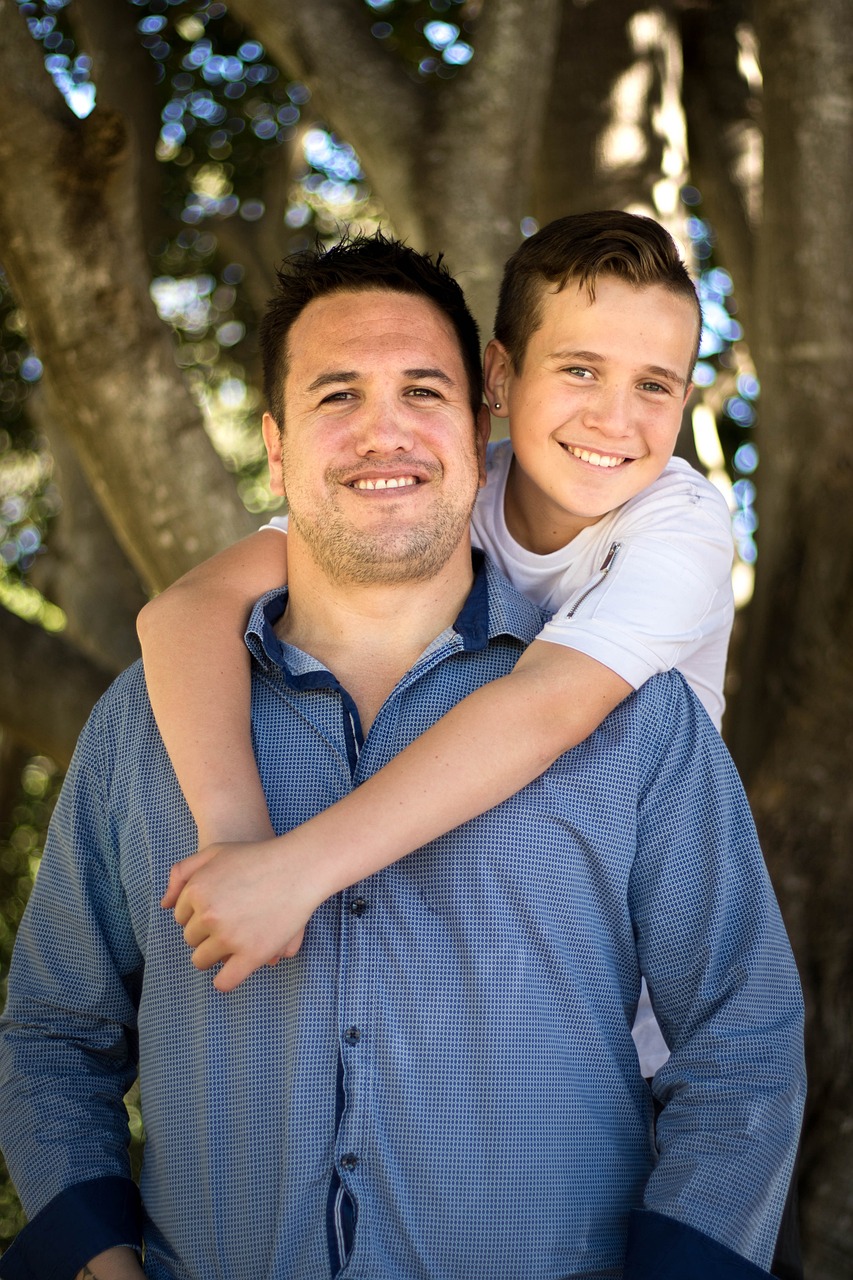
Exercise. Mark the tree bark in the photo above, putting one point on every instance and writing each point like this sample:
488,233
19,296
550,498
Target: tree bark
452,163
723,127
69,226
793,727
45,714
574,173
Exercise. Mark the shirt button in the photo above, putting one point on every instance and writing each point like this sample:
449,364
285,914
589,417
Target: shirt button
358,906
352,1035
349,1161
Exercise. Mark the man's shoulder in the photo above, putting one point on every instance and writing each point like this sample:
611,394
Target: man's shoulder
123,710
510,612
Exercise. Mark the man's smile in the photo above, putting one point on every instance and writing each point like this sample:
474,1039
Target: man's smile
386,482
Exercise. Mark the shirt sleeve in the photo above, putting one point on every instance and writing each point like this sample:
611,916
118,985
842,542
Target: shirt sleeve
725,990
665,586
275,522
68,1038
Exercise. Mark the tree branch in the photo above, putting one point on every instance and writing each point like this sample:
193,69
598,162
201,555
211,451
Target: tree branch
358,88
45,714
72,250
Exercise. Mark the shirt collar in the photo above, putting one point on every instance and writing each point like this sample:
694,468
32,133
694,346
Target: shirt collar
492,609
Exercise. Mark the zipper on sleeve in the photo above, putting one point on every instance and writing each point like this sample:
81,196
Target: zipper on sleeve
604,569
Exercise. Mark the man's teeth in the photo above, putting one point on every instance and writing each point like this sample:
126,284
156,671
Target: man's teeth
393,482
597,459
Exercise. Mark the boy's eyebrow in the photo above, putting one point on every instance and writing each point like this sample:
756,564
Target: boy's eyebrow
595,357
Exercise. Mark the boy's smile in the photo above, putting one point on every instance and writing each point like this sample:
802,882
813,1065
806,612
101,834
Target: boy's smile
595,408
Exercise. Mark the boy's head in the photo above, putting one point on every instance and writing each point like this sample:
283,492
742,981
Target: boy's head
584,248
357,264
595,340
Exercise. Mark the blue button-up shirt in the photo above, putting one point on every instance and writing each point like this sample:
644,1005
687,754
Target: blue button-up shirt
452,1044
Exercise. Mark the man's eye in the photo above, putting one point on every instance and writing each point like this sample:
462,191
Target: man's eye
336,396
423,392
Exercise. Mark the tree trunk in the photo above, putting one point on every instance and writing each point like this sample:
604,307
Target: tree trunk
69,227
45,714
453,163
793,727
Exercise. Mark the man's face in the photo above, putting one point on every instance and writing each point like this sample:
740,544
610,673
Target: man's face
379,459
596,407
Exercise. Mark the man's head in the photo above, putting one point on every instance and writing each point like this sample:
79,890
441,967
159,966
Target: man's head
379,436
359,264
595,339
584,248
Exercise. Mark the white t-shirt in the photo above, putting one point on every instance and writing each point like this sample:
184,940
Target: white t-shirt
646,588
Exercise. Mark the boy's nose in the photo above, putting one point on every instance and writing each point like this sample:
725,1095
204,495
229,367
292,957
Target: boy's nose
609,412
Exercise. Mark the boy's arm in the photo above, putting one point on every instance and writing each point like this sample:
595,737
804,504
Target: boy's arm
494,742
201,702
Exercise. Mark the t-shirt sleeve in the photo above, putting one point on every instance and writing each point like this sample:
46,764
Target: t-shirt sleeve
664,584
275,522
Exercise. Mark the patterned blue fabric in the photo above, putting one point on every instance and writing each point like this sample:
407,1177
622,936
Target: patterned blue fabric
479,994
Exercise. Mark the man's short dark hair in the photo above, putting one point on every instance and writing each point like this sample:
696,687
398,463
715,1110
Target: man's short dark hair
583,248
356,264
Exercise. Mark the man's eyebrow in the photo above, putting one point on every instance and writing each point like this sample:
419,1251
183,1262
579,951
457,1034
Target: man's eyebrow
333,376
438,374
595,357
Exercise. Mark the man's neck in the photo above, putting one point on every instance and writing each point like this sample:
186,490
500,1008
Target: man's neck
369,635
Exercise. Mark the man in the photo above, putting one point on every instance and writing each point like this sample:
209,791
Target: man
442,1082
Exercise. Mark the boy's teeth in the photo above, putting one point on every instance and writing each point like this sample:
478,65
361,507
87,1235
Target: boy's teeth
597,459
394,482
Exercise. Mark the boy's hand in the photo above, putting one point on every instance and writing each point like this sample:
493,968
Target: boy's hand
245,904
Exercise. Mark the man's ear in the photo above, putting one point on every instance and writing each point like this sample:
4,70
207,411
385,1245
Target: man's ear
497,368
272,440
482,429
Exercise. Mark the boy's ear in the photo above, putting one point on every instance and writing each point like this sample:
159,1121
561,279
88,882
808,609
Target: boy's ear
272,440
497,368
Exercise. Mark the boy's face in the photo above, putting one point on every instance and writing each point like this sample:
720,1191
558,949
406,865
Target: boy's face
595,410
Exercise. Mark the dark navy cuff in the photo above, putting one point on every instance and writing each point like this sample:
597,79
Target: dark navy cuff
73,1228
661,1248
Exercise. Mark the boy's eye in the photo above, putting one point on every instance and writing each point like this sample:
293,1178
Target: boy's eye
578,371
654,386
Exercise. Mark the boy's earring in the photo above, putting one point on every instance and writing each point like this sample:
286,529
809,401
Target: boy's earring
497,404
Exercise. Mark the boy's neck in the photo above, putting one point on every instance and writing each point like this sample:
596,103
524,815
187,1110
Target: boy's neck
535,520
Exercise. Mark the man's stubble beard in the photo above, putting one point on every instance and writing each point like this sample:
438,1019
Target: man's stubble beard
385,555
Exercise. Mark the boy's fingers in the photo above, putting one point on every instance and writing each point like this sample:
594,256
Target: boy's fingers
196,932
294,944
183,871
178,877
208,954
235,970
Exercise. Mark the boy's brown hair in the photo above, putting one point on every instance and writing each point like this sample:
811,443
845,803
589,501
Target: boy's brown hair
582,248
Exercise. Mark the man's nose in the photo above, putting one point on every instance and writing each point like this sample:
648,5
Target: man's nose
383,429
